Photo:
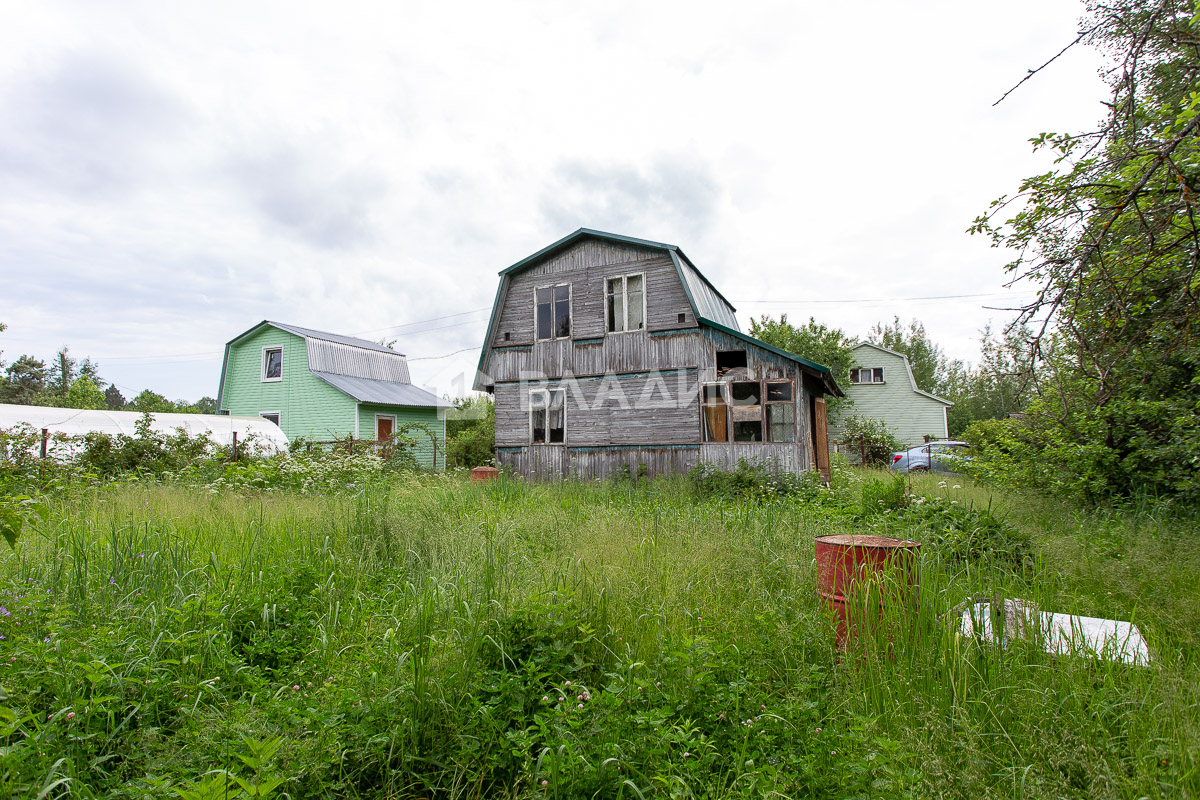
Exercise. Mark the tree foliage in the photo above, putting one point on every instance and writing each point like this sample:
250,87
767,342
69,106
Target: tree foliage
471,433
1111,240
827,346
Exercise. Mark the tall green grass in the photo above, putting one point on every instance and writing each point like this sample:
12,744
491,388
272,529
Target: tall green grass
414,638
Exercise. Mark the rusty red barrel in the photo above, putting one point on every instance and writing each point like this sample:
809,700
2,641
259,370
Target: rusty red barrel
481,474
847,561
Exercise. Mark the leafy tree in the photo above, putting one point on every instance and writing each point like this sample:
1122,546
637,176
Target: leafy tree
471,433
206,405
1000,385
925,357
871,435
26,381
84,393
62,372
113,399
148,401
827,346
1111,238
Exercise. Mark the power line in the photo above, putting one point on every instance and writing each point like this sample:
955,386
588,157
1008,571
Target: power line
447,355
889,299
422,321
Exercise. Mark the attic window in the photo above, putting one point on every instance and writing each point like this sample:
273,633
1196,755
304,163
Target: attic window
867,375
729,360
625,303
272,364
552,311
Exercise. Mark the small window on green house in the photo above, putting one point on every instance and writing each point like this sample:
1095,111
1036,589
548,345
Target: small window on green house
272,364
272,416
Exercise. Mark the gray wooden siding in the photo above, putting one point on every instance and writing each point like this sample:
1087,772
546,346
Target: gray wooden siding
637,351
785,457
665,297
553,462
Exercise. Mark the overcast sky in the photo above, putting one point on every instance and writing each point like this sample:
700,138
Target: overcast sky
173,173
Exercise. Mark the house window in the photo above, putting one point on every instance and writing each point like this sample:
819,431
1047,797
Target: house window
625,303
552,310
272,364
867,375
272,416
716,415
547,416
781,411
747,411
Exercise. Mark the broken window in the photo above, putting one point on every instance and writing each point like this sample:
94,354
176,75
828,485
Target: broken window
272,366
781,411
552,311
625,303
867,375
716,416
730,360
747,411
547,416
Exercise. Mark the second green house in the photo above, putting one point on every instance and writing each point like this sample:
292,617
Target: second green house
324,386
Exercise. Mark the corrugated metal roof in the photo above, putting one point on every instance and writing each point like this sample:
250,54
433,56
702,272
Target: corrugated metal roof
707,302
343,359
366,390
352,341
820,370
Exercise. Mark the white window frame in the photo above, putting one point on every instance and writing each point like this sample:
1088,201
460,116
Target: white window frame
624,302
767,403
858,371
545,405
262,363
553,303
378,417
277,414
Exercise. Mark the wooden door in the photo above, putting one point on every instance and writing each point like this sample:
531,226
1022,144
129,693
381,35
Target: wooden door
821,431
384,428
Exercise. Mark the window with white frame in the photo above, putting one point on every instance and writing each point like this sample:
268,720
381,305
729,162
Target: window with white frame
548,416
552,311
625,303
272,416
272,364
867,375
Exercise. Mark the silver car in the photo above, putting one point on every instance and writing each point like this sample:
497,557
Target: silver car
935,456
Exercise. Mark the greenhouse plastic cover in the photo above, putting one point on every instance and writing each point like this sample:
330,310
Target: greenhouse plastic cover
74,422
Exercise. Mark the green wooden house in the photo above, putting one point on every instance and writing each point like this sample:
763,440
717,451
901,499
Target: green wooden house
323,386
882,386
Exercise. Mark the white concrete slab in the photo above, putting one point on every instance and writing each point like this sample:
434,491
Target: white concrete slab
1059,634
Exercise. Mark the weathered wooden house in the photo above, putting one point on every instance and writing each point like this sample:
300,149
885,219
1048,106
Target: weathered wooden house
607,353
882,386
323,386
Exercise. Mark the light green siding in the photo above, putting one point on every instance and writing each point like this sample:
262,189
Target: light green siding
414,418
909,415
309,406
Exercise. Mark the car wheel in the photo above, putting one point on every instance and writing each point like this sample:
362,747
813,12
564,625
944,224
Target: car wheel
918,469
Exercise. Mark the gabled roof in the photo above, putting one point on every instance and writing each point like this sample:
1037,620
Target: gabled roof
822,371
712,305
364,370
912,382
707,302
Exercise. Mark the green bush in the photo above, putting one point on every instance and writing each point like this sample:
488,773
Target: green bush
754,480
879,441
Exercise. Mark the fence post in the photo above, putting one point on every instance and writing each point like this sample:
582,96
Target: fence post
862,450
45,439
235,445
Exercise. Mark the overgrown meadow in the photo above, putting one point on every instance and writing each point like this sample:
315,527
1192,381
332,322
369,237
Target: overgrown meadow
417,636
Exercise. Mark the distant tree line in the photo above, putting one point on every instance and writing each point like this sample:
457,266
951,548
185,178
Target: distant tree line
67,382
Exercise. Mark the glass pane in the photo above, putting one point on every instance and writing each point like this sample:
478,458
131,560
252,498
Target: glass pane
633,283
616,312
745,393
539,425
562,292
634,299
562,318
274,364
854,376
779,392
781,422
558,398
713,393
878,376
537,399
545,295
747,431
544,328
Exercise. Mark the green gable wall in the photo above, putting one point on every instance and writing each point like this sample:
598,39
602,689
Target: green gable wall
310,406
412,416
909,416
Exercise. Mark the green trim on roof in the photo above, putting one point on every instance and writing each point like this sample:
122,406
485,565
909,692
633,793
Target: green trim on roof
826,375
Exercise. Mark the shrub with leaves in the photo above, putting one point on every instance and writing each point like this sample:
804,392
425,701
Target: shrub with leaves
873,434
